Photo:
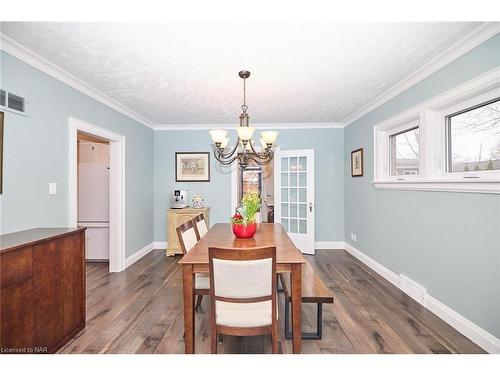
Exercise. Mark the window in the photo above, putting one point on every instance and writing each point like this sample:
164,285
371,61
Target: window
404,151
474,138
448,143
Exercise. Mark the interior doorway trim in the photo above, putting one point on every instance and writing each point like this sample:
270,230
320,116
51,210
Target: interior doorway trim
116,187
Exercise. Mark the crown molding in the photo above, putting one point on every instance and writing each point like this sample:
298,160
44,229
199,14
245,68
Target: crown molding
460,48
278,126
22,53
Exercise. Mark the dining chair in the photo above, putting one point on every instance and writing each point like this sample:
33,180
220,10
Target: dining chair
201,224
188,237
243,293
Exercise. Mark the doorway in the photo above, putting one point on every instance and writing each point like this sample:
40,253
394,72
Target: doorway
116,186
93,195
254,178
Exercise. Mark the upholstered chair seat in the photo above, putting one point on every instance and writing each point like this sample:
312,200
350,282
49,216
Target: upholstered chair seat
243,291
188,238
201,281
201,225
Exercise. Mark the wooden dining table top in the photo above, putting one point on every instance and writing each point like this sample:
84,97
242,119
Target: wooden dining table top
268,234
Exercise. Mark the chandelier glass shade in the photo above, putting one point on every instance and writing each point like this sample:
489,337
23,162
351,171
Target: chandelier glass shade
245,149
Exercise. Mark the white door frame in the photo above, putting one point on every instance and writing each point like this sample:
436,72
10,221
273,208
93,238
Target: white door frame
116,187
234,184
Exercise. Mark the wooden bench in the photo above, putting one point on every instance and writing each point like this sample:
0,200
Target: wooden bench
313,291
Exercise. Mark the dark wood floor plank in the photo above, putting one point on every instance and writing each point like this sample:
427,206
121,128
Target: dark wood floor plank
140,311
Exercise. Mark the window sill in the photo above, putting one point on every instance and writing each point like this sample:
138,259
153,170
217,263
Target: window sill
461,186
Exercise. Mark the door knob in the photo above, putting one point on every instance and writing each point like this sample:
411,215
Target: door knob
310,207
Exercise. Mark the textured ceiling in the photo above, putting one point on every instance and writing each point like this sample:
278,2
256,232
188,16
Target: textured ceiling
187,73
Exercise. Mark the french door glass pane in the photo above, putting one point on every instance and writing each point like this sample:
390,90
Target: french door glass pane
303,226
284,195
284,164
284,179
303,179
293,164
293,226
284,222
293,195
303,211
302,195
284,209
302,163
293,210
293,179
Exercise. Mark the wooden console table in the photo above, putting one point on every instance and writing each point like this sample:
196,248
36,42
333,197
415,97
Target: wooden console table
42,296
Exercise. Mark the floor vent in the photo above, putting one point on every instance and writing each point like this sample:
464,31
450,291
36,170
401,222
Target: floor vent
414,290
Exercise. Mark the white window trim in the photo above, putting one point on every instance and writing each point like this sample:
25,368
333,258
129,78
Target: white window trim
430,117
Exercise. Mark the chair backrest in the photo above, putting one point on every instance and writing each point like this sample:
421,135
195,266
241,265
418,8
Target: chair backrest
243,276
201,224
188,235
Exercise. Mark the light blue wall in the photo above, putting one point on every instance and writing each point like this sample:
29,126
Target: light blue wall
36,149
447,242
329,164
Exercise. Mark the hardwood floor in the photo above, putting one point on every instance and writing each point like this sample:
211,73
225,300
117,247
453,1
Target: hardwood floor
140,311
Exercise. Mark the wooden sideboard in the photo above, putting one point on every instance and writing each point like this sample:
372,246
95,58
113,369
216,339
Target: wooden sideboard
176,217
42,296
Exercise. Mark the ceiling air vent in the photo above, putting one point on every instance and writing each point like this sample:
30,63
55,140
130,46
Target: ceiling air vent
13,102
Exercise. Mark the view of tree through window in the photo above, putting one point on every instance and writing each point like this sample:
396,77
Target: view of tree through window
405,153
474,139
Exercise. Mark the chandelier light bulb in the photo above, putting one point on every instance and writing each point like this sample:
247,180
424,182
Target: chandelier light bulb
218,136
245,132
224,143
269,136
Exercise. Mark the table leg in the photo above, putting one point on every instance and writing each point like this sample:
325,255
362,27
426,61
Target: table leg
296,281
188,285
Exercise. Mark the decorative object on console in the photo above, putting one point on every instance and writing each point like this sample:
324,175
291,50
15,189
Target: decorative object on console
244,150
198,201
192,166
357,163
244,221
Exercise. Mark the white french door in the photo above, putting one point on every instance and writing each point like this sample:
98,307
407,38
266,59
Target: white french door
294,196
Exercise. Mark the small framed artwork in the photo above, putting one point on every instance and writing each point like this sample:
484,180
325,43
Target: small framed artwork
357,163
192,166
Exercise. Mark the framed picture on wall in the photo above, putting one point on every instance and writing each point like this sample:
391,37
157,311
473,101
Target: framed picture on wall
192,166
357,163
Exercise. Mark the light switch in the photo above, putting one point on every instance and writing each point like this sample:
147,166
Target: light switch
52,188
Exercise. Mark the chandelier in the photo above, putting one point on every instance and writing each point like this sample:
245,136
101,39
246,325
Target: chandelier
245,149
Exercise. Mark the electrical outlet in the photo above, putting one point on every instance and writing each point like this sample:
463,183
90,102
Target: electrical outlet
353,237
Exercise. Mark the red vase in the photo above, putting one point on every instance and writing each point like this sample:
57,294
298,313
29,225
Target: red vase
244,231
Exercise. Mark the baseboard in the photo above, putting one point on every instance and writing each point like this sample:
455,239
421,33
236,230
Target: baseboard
463,325
139,254
329,245
383,271
160,245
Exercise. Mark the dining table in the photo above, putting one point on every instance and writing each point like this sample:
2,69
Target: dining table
289,259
